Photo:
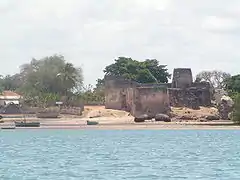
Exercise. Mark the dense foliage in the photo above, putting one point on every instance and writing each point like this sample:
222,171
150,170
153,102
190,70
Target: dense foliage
233,84
9,82
93,96
46,79
50,75
236,111
52,79
148,71
233,88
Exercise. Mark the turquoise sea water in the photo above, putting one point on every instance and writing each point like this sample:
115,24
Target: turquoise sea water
115,155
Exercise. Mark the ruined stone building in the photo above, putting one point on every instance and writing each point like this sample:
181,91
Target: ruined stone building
136,98
151,99
186,93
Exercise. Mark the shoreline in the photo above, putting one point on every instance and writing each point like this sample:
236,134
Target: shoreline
134,126
109,119
120,121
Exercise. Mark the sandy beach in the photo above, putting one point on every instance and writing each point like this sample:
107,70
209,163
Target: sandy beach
123,124
120,120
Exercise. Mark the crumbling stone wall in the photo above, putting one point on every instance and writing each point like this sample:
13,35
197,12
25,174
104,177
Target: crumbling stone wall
130,94
190,97
183,98
121,98
185,93
201,85
151,100
204,97
144,99
10,108
72,110
203,92
138,99
118,93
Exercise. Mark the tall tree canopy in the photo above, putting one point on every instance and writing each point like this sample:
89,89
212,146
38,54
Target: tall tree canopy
9,82
217,79
50,75
233,84
148,71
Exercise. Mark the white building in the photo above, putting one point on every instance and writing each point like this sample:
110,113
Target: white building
7,97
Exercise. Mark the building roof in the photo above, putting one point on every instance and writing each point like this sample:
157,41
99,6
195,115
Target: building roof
9,95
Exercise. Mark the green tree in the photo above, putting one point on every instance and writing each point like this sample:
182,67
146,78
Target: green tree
99,90
93,96
148,71
70,77
99,84
9,82
236,110
233,84
50,75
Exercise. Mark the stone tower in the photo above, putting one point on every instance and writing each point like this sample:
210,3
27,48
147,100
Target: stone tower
182,78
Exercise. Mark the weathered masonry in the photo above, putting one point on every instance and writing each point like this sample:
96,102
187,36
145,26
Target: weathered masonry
186,93
152,99
136,98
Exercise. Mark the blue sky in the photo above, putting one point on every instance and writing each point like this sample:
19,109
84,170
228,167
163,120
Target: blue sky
202,35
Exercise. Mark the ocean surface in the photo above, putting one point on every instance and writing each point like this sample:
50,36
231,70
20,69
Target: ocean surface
119,154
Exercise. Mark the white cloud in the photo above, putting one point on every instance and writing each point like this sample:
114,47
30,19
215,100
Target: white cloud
186,33
153,4
221,24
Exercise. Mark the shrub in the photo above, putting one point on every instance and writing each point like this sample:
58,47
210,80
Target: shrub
236,111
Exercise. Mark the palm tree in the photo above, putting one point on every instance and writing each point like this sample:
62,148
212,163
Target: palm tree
70,77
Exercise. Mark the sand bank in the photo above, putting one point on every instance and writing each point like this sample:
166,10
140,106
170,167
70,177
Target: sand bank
126,124
114,119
